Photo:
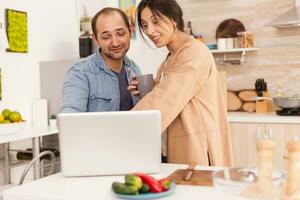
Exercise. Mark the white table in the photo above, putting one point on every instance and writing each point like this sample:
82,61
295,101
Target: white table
56,187
28,133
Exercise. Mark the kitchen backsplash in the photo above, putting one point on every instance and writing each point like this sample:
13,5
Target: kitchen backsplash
278,56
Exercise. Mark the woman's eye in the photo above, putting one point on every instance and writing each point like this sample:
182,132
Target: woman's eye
144,26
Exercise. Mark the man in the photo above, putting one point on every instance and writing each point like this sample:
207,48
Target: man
99,82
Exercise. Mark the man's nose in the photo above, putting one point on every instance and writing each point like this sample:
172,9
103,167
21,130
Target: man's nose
115,41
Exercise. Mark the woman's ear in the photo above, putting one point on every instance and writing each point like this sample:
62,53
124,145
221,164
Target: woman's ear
174,23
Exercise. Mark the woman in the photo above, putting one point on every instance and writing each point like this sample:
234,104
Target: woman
187,91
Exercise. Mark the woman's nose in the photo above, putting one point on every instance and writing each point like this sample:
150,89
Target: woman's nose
150,30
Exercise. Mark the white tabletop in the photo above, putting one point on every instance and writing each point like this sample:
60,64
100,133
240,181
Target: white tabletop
56,187
27,134
262,118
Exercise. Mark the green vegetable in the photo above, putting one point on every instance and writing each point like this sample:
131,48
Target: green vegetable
144,189
165,183
133,180
122,188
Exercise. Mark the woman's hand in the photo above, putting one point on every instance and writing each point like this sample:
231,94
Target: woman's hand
133,87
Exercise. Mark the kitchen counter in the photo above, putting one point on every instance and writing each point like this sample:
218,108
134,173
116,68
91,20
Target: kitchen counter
56,187
262,118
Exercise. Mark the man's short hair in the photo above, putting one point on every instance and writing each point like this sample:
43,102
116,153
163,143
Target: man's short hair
106,11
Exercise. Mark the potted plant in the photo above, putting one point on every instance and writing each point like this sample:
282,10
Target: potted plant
52,121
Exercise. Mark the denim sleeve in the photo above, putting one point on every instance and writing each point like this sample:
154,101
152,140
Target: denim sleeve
137,69
75,91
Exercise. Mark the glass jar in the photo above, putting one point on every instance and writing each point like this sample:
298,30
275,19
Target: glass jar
245,39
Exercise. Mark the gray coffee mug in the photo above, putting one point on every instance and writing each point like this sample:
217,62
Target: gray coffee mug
145,84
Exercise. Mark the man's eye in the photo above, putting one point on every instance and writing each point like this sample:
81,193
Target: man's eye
105,37
121,33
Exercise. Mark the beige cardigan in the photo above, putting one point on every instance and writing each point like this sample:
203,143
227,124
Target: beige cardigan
193,110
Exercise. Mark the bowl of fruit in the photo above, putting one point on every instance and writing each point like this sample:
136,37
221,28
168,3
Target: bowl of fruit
11,122
142,186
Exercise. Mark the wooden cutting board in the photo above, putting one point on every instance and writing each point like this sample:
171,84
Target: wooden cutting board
199,177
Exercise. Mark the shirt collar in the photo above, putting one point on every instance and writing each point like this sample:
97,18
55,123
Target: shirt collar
101,63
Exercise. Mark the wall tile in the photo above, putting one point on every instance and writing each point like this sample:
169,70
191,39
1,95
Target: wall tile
278,57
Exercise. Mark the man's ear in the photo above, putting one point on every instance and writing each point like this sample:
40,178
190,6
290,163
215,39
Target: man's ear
132,29
95,38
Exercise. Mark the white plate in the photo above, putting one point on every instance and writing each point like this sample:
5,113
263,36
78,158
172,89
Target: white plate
12,128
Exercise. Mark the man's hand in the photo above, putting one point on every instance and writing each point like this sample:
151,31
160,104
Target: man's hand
133,87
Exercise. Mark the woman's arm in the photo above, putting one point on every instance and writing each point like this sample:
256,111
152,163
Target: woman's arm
180,84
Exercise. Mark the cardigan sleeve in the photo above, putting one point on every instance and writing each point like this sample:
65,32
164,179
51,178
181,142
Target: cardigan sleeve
181,82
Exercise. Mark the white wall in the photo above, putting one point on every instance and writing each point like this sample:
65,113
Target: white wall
53,30
52,35
149,59
92,6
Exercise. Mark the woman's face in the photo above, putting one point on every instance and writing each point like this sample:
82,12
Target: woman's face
159,29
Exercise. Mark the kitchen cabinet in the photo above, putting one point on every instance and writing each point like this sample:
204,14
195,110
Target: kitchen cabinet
282,134
244,142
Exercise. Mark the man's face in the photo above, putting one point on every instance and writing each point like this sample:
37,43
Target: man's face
113,36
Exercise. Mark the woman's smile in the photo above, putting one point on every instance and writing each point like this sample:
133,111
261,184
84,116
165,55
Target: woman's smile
155,39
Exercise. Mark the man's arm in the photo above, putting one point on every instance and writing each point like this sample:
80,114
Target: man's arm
75,91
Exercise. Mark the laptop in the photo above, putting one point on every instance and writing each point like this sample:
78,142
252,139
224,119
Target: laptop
110,143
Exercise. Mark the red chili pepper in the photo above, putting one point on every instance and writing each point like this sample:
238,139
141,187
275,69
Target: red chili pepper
165,183
153,184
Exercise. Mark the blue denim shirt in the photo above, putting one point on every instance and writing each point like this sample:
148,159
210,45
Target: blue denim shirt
90,86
